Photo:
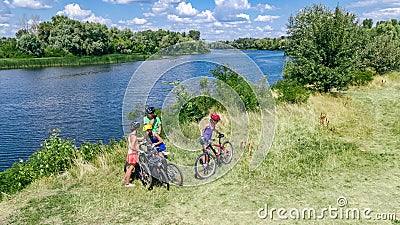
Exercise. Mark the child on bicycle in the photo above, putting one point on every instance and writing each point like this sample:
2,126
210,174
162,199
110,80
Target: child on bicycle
155,138
207,131
132,157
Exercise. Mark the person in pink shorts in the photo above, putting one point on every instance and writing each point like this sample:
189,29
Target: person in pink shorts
132,158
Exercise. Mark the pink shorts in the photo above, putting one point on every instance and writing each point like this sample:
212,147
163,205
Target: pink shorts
132,158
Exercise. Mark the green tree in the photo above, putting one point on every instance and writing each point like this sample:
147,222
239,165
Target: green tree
367,23
44,30
382,47
65,35
322,47
9,49
238,84
194,34
31,45
94,37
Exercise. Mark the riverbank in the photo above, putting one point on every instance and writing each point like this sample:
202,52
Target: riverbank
32,63
354,159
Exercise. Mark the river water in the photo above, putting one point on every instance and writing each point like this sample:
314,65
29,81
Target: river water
85,103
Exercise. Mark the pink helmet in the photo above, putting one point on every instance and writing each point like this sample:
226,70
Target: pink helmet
215,117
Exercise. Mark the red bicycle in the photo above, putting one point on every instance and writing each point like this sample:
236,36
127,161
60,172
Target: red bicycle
206,163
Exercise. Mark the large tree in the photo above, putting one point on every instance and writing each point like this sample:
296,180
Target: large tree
322,48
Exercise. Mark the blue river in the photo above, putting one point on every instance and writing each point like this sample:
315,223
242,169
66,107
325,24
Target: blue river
85,103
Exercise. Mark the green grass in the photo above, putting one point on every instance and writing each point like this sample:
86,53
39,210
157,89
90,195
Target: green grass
356,156
27,63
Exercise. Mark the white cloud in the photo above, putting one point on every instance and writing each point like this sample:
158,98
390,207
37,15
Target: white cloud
244,16
161,7
266,18
383,14
264,7
171,1
205,17
98,19
74,11
186,9
266,28
368,3
149,14
31,4
122,2
228,10
164,5
135,21
175,18
217,24
233,4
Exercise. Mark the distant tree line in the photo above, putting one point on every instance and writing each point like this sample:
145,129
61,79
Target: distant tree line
66,37
252,43
331,50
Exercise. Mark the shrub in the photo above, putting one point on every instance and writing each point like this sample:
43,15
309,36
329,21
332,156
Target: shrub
290,91
239,85
361,77
56,156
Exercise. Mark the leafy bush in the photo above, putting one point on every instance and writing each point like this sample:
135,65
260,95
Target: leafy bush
194,108
290,91
239,85
361,77
31,45
197,108
56,156
51,51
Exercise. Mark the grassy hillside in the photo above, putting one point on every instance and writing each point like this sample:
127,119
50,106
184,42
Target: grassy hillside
308,166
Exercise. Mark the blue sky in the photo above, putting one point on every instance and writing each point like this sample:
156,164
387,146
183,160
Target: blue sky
216,19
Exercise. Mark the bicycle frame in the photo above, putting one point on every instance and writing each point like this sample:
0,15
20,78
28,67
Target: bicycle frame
213,156
219,146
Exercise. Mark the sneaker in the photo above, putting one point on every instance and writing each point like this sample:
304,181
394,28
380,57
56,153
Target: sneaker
129,185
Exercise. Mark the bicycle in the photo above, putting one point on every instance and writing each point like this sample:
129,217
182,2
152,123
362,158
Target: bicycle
206,163
142,172
160,168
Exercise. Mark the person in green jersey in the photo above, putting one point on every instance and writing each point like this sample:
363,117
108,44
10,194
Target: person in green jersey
152,119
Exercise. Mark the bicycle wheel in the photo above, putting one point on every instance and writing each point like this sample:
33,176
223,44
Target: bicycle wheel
175,174
145,176
205,169
143,158
227,152
164,180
